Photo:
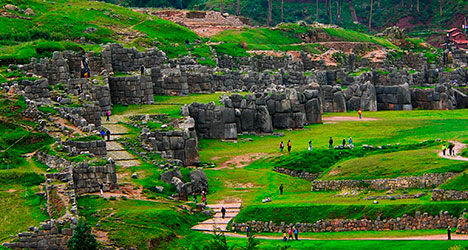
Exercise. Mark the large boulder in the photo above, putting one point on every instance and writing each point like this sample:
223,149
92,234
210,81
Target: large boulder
169,175
199,181
262,120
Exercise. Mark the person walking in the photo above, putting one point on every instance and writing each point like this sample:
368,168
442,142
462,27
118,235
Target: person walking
281,146
223,212
310,146
350,142
449,232
108,133
444,148
142,70
281,189
330,143
450,147
285,238
289,146
108,114
296,233
194,197
344,142
248,231
103,133
101,188
360,113
290,234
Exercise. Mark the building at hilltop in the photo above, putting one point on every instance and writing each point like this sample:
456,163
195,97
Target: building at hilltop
457,37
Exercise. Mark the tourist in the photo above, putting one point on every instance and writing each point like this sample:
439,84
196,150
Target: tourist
103,133
444,148
449,231
290,234
187,43
248,231
108,114
289,146
101,188
204,200
350,142
194,197
450,147
281,189
310,146
281,146
296,233
285,238
344,142
142,70
108,133
360,113
330,143
223,212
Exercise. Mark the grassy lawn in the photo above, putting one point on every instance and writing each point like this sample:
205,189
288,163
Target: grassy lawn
392,127
395,164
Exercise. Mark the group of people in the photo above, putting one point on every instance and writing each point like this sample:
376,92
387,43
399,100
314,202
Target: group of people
290,233
350,142
203,194
330,144
282,146
450,147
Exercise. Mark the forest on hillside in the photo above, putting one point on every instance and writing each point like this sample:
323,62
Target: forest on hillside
363,15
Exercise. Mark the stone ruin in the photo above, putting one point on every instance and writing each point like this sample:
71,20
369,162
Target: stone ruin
198,181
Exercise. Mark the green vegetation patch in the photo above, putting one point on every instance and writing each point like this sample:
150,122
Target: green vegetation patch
460,183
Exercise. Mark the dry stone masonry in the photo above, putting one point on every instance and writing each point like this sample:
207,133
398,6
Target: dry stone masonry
405,182
98,148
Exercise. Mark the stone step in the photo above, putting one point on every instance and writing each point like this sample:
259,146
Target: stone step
227,215
129,163
115,150
228,210
227,205
209,228
129,159
216,221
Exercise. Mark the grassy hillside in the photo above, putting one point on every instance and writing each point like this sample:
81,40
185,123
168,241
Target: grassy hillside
59,25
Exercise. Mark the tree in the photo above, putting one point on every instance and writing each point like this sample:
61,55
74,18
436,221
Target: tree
417,5
221,8
338,11
441,3
370,14
238,8
282,10
330,11
270,7
82,238
316,10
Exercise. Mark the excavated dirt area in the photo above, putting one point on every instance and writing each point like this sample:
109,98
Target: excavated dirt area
204,23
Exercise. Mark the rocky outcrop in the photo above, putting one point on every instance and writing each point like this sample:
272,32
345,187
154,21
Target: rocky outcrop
406,182
333,99
441,97
37,90
396,97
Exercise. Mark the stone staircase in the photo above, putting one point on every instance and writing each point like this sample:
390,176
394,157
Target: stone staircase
217,222
115,150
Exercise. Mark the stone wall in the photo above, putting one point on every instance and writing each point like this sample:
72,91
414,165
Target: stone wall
396,97
98,148
87,90
131,89
86,179
448,195
37,90
418,222
406,182
181,145
120,59
441,97
83,116
361,97
47,236
332,99
300,174
261,112
55,70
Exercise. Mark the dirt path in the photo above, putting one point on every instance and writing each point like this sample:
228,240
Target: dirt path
458,149
347,118
423,237
240,161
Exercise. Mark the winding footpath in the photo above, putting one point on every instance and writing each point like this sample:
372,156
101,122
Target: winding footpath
458,149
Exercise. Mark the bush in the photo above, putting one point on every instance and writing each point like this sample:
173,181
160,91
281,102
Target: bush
82,238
